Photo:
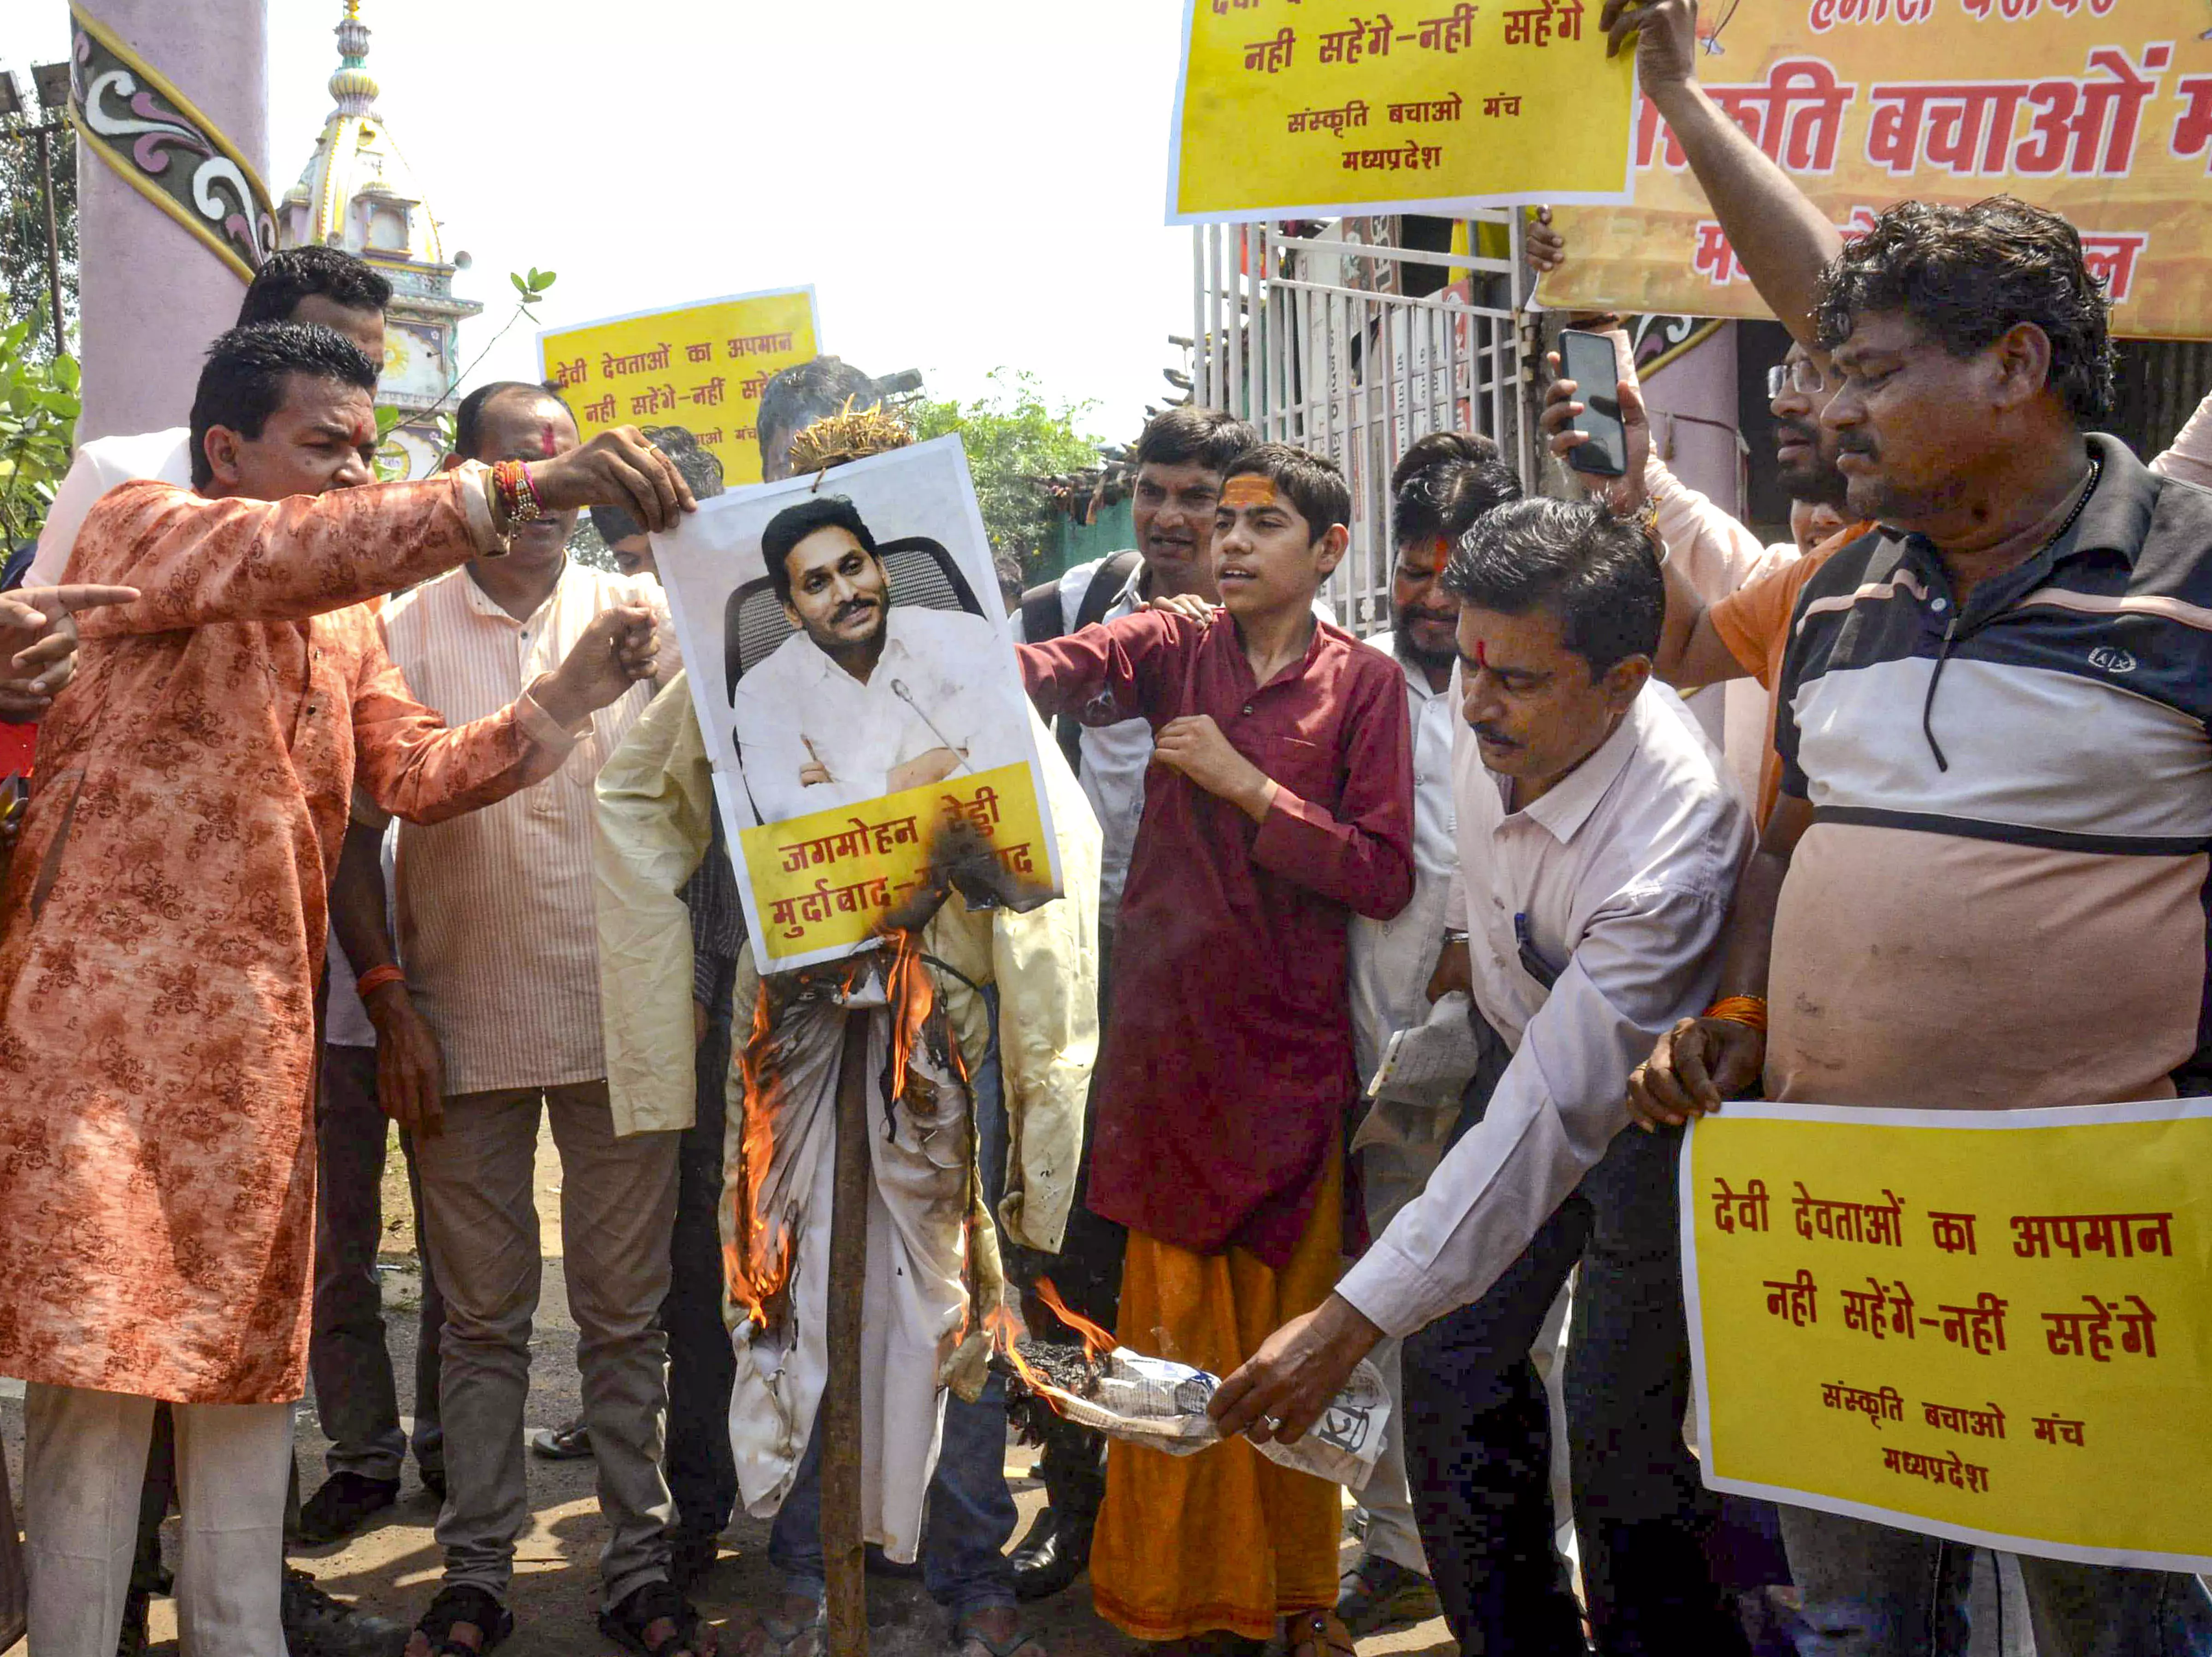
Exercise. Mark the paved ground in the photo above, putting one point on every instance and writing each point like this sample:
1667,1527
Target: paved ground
393,1569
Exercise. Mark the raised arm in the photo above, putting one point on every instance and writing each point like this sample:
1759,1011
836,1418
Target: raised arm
196,562
1783,241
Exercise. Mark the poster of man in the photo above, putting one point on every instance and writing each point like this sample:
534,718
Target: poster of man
854,671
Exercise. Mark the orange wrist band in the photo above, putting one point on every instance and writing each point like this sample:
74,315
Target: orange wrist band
376,978
1749,1010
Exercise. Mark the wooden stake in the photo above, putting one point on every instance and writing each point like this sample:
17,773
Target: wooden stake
843,1553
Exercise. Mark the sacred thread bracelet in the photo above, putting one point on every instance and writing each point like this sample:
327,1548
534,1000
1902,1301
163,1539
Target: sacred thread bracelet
1749,1010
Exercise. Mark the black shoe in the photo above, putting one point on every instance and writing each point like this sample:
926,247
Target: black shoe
131,1642
316,1625
1051,1559
342,1506
1378,1593
433,1480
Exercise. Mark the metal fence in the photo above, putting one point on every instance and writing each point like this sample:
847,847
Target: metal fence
1351,347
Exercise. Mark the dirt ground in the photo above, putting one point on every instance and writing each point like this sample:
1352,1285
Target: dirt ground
392,1568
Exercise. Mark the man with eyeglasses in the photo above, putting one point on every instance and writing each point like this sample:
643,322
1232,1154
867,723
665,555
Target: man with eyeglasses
1729,598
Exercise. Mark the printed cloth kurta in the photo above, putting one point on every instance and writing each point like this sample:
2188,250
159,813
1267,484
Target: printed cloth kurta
167,916
1228,1067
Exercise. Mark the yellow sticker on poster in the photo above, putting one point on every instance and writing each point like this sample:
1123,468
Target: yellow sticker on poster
823,882
1994,1327
1297,108
700,366
2099,111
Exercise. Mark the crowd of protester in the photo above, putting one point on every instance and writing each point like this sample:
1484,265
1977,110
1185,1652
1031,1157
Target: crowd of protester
359,804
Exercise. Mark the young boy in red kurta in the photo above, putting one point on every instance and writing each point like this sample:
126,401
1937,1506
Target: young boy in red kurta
1280,802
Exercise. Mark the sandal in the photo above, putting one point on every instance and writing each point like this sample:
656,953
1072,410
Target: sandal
1316,1634
464,1604
809,1638
625,1624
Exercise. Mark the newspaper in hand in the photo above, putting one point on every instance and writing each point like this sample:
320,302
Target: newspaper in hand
1151,1401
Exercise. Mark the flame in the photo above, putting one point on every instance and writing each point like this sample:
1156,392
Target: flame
1005,1328
1097,1342
756,1283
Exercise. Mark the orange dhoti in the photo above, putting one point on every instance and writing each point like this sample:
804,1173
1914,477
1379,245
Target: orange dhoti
1224,1538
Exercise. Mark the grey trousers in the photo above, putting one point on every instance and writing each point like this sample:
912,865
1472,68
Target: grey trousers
617,1210
355,1394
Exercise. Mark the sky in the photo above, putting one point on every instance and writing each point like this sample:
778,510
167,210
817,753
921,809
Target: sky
968,184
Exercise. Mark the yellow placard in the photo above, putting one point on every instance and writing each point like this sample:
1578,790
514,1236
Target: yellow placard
1296,107
823,881
1995,1327
700,366
2100,112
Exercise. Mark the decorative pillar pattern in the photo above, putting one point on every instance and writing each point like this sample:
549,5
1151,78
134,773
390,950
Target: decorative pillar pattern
170,104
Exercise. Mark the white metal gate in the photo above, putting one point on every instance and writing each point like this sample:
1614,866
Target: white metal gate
1313,338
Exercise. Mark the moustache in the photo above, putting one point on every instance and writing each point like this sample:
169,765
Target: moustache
1798,431
1494,736
851,609
1434,617
1855,446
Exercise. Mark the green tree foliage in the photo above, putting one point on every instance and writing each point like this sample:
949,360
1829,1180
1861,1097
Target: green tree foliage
1014,437
23,227
38,408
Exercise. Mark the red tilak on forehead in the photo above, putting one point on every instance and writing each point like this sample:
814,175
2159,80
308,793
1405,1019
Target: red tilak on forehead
1482,653
364,432
546,439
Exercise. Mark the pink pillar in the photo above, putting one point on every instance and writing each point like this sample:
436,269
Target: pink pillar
1701,384
153,294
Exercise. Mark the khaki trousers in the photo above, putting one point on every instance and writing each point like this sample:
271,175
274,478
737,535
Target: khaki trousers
617,1208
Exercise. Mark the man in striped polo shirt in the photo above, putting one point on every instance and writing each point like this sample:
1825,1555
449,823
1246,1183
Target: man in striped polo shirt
1997,780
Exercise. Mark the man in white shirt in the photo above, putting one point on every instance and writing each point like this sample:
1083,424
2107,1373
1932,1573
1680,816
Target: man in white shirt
1444,482
866,698
1599,847
300,284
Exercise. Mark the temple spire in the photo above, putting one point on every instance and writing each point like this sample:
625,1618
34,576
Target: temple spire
353,88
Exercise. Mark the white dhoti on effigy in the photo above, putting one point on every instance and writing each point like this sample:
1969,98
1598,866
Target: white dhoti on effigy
920,1145
931,1245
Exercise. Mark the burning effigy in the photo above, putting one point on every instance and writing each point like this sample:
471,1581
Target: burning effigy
1100,1384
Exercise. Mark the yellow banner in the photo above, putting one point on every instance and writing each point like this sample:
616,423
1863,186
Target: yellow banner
1293,108
2100,114
823,881
1995,1327
699,366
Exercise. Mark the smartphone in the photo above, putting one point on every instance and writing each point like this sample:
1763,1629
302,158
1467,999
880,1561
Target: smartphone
1587,360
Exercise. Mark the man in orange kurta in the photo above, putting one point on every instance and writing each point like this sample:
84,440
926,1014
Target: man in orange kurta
165,925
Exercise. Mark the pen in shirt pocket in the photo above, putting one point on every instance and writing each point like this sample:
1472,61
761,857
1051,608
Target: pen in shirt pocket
1532,963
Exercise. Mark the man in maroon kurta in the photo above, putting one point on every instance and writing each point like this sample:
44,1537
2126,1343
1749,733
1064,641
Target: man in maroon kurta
1281,804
